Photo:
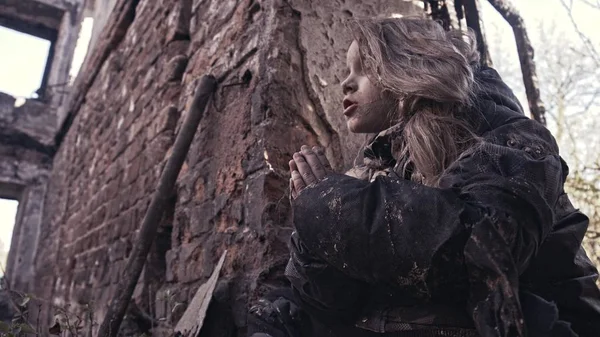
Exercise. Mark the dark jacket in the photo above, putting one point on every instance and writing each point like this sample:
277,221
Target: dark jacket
496,247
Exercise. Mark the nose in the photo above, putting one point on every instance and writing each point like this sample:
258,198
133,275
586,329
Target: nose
349,85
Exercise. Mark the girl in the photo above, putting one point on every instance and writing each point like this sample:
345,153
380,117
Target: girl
457,223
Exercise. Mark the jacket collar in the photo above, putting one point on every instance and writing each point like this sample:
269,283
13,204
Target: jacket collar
380,147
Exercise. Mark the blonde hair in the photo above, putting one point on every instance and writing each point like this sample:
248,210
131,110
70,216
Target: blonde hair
430,72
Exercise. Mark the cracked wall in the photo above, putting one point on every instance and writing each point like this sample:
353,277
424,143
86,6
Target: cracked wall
279,63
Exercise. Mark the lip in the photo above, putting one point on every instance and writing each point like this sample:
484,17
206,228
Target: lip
349,107
349,110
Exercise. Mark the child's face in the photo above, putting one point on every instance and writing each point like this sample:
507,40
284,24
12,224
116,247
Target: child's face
366,108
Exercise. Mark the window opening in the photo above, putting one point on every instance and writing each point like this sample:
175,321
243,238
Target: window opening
8,214
25,59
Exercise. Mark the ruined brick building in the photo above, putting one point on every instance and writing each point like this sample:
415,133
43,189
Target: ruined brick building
83,159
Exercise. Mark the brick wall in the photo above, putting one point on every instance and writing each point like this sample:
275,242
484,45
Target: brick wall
280,63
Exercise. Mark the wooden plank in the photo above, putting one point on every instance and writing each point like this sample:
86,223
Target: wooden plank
192,320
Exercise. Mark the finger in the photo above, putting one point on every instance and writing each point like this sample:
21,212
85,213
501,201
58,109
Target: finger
313,162
304,169
293,166
322,158
298,182
293,193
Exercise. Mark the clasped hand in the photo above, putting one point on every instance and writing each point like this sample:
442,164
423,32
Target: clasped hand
309,166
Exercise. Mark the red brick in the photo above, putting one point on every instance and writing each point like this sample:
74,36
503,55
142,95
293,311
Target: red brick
132,170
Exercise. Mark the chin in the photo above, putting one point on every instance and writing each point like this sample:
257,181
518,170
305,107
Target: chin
355,126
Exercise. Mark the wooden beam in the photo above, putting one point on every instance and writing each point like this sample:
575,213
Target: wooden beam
147,233
471,13
525,50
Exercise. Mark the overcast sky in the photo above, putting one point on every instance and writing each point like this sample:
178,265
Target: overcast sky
23,57
20,67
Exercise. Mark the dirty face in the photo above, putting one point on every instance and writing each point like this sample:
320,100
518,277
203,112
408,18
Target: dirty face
366,107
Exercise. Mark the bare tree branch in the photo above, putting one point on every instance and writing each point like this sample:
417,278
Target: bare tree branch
593,234
572,137
586,40
589,104
525,50
591,4
586,168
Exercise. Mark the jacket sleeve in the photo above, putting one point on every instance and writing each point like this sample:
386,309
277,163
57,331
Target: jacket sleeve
563,274
493,209
322,290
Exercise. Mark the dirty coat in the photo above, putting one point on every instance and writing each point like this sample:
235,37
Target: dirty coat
495,250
